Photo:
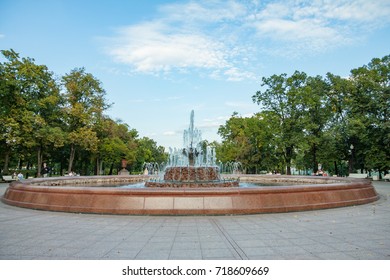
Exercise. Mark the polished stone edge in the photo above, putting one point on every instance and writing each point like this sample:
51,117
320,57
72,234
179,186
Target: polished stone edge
314,193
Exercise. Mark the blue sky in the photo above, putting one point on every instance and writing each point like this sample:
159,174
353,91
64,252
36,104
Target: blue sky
158,60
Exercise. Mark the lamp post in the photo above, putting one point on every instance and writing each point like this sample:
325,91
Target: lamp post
350,167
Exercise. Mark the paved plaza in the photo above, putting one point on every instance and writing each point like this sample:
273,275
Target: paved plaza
352,233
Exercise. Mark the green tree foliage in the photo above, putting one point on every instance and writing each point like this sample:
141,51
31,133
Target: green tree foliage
62,122
247,140
83,109
283,103
30,107
148,151
11,106
117,141
304,121
316,114
369,114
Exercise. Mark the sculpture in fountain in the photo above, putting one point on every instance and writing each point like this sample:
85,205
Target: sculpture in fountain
193,166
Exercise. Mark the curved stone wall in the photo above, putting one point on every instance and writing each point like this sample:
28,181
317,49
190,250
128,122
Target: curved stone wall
307,193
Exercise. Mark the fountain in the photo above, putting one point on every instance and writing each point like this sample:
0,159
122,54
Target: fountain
151,168
191,185
192,166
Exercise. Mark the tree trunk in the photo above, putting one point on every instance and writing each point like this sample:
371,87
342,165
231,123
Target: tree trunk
85,168
288,169
98,168
314,154
97,171
6,161
289,151
71,157
351,163
335,169
61,168
40,159
111,168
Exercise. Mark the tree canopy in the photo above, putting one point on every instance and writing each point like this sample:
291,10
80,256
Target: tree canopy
62,123
341,124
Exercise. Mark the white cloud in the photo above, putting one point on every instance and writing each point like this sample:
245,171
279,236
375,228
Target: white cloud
236,74
297,37
213,123
204,11
318,25
153,47
169,133
193,36
210,125
225,39
293,30
362,11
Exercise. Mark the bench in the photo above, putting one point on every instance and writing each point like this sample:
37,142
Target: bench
358,175
8,178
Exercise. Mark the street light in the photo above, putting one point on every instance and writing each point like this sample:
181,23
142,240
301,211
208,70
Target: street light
351,158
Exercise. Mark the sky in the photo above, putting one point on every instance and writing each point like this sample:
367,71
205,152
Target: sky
158,60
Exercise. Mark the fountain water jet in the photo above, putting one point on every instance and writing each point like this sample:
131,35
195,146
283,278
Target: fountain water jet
192,166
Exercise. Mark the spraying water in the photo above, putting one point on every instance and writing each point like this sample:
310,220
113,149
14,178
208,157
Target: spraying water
193,165
193,153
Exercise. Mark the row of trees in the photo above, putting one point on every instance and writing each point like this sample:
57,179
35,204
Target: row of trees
61,122
305,121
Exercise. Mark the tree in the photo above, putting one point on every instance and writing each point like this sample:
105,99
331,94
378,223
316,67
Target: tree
11,105
337,139
116,141
30,108
85,104
248,141
316,119
43,105
148,151
282,104
236,145
369,108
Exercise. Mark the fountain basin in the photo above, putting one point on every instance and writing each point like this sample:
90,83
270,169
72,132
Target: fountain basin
69,195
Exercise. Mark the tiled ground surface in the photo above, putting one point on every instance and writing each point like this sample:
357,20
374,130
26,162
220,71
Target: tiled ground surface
358,232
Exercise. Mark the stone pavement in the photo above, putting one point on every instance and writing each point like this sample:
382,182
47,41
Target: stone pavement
352,233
